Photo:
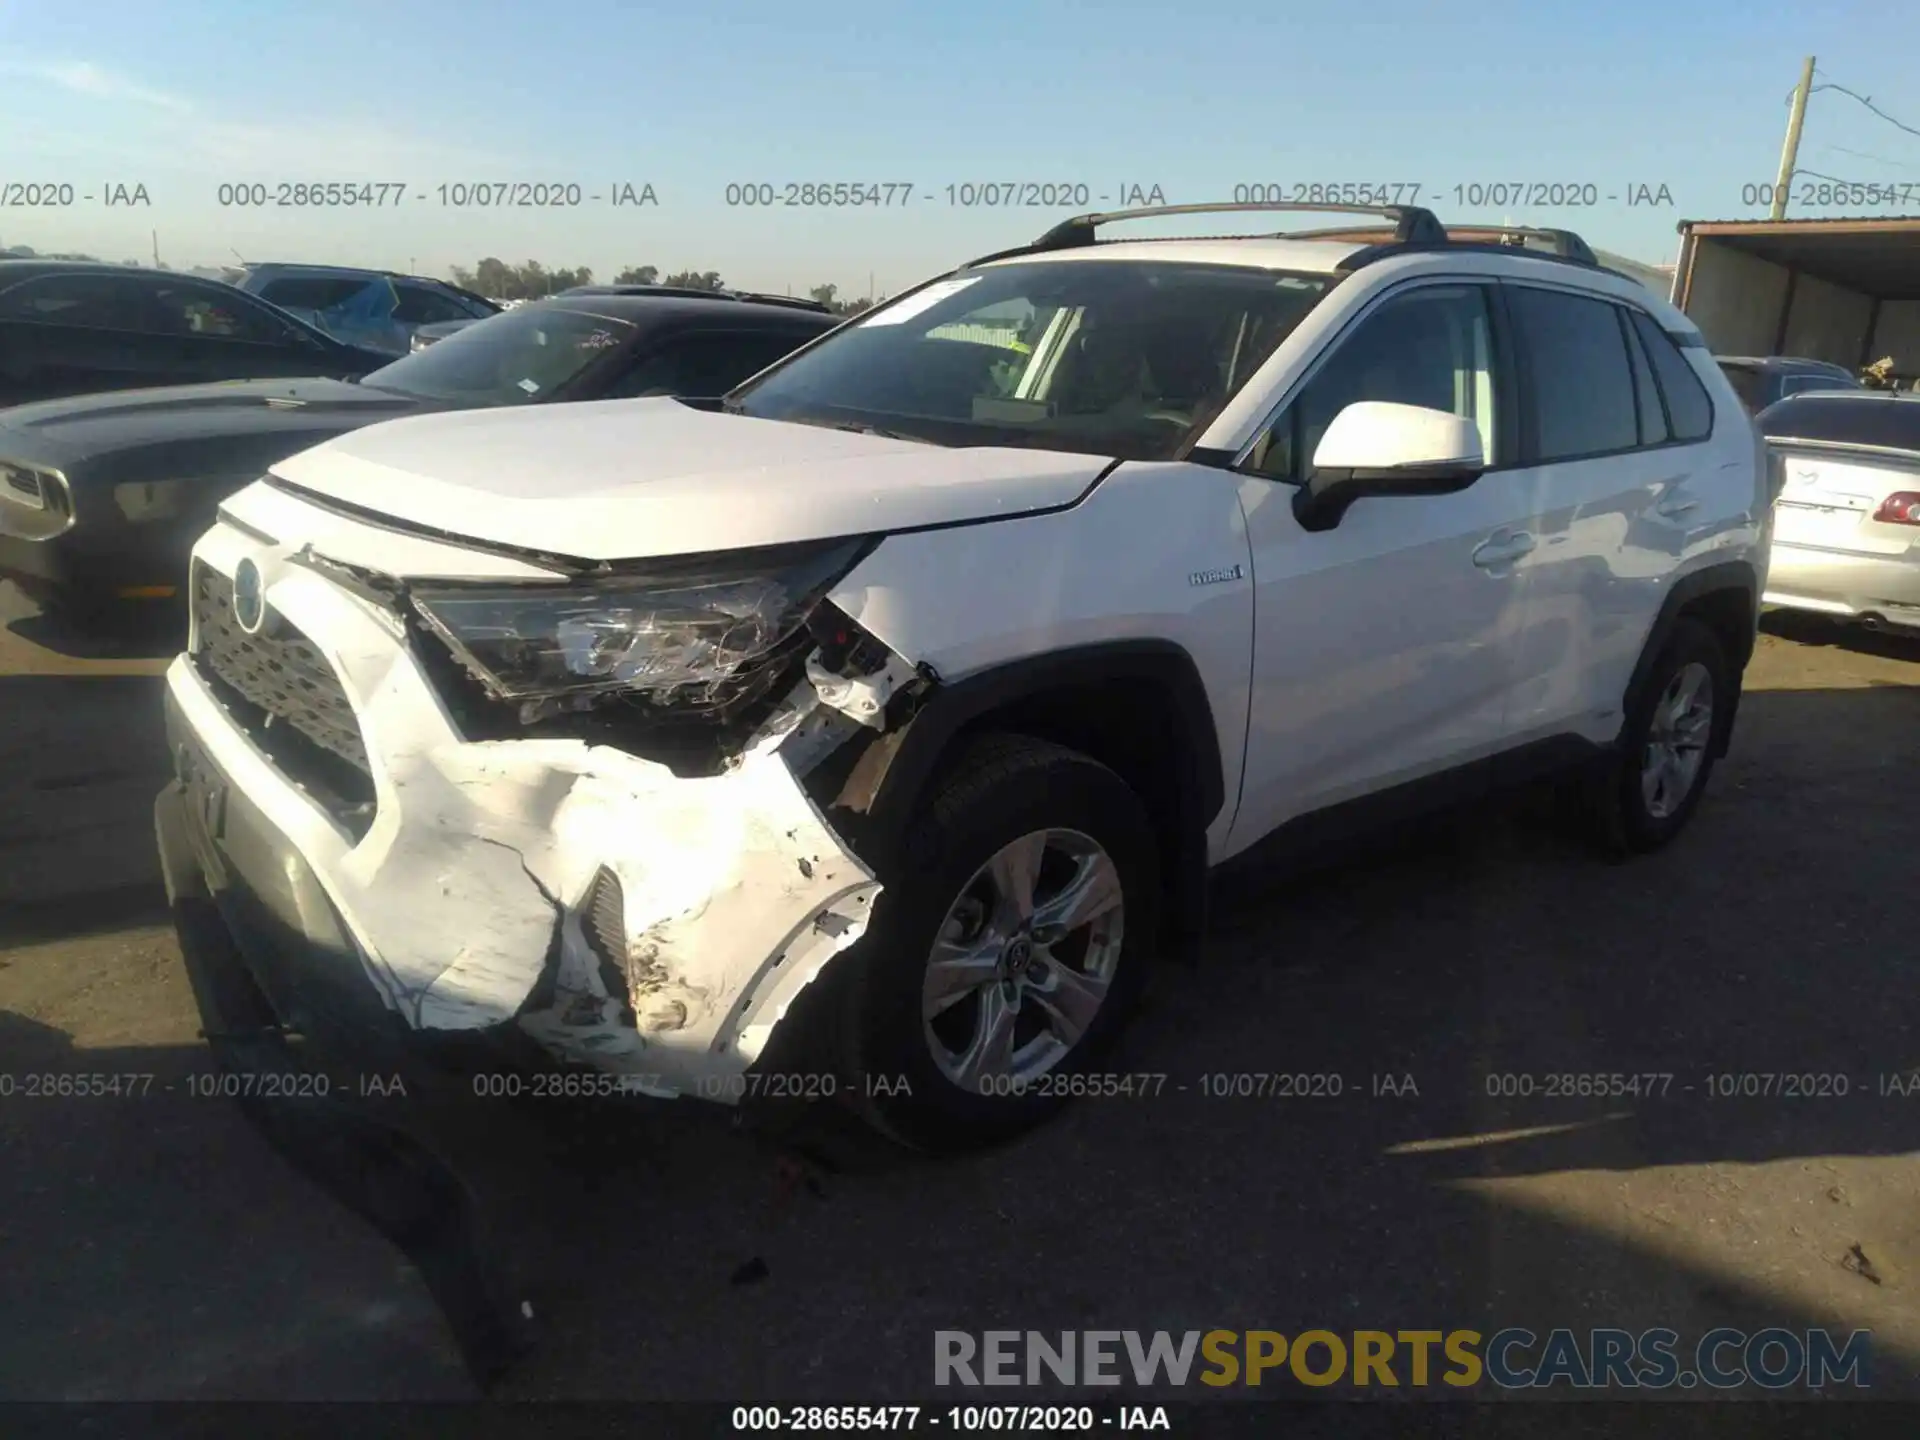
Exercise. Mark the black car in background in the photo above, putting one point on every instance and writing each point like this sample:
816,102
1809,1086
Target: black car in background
75,328
103,496
1763,380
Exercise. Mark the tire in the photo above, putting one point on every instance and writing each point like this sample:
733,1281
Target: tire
1626,816
986,811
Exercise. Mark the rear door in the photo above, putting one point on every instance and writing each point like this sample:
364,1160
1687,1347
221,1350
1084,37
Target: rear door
1618,433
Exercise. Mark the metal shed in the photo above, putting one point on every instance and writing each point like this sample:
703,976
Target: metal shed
1845,290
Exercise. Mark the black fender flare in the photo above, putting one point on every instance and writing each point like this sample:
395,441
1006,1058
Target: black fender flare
1737,576
953,709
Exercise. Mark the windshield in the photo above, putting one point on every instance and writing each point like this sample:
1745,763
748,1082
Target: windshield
512,358
1107,357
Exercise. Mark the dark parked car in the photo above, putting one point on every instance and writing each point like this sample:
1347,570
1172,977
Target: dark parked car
73,328
1761,381
102,496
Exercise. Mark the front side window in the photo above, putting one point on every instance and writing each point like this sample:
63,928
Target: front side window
1583,390
520,356
192,310
1432,347
421,306
1127,358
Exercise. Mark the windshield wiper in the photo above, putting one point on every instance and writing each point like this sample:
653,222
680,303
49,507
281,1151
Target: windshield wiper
860,427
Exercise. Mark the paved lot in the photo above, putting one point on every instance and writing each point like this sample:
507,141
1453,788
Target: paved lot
159,1247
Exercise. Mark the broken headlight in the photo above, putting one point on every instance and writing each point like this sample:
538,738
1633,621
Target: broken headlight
682,626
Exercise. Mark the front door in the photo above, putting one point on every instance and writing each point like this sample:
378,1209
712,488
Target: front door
1383,648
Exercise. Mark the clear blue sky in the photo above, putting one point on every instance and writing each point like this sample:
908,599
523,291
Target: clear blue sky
1193,96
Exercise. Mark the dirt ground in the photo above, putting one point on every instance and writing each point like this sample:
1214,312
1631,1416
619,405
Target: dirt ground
157,1247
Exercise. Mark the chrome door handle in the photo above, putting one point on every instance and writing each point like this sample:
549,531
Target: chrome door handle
1503,550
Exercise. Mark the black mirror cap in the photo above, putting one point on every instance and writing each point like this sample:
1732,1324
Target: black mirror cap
1321,503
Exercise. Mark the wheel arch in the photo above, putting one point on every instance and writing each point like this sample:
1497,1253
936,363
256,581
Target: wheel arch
1725,597
1137,706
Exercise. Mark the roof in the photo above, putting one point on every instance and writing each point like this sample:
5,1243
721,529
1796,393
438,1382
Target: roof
639,303
1875,419
1775,362
1259,252
12,271
1878,255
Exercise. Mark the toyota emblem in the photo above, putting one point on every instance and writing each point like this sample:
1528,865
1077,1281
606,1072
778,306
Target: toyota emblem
249,606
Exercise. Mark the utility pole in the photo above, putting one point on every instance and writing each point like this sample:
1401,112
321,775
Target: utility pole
1791,153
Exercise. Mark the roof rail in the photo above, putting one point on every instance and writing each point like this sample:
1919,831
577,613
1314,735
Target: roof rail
1562,243
1413,224
1414,228
690,292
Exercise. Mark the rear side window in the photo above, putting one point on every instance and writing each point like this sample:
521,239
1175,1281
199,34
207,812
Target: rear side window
1653,413
1583,391
312,292
421,306
87,301
1689,409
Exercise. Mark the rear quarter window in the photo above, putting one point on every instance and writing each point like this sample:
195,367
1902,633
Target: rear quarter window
1689,407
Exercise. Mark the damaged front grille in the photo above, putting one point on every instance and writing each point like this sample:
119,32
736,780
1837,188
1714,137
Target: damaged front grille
603,921
282,691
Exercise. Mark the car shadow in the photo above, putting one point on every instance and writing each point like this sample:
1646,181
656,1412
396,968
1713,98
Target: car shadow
136,635
678,1250
1807,629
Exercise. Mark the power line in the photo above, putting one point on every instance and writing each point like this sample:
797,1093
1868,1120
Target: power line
1877,159
1868,102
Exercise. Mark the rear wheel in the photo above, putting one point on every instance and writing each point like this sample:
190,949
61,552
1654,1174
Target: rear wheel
1007,947
1650,791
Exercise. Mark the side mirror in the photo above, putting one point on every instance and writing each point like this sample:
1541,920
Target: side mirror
1376,447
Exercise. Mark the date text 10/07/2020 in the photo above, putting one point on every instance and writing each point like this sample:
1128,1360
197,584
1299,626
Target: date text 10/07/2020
1466,194
453,195
965,195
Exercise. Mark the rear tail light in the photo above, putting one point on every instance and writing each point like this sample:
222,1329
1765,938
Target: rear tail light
1776,471
1900,508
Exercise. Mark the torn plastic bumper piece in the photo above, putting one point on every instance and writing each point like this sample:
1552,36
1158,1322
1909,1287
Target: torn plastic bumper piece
651,926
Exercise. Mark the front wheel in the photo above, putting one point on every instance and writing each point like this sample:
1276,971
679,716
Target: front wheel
1007,947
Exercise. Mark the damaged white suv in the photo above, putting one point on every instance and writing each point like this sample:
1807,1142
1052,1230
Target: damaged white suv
937,666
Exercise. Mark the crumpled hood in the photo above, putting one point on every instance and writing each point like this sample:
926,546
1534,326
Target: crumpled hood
623,479
72,431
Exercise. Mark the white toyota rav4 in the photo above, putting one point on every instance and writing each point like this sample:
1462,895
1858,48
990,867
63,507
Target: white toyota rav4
941,662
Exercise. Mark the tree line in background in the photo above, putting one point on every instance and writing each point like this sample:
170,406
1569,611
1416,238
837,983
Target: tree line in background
498,280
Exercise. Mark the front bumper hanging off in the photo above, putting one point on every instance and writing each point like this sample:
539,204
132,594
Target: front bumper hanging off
651,926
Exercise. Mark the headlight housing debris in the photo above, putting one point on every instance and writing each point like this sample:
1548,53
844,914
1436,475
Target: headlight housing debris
679,632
